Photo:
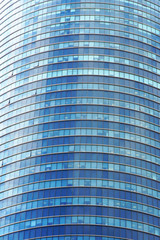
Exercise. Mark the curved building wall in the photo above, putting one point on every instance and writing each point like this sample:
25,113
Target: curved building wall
79,120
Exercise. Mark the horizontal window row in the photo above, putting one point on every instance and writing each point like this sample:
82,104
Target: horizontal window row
80,82
82,156
98,125
82,148
61,142
79,58
80,117
89,65
83,29
79,106
122,93
45,194
77,165
61,88
92,211
83,49
89,134
98,201
99,161
31,55
77,97
137,7
88,176
82,41
81,72
80,183
53,12
83,9
71,97
78,229
79,238
76,15
93,27
101,121
108,221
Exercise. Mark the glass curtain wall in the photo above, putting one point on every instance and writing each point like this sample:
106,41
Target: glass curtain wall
79,119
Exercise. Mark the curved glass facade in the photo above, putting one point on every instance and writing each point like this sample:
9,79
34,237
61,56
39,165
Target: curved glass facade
80,119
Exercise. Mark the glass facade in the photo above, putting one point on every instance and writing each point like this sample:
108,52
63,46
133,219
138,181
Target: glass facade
80,119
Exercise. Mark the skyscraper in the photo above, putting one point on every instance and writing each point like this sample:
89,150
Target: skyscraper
79,119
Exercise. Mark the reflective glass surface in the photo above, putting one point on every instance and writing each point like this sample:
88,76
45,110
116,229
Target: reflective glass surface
79,119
